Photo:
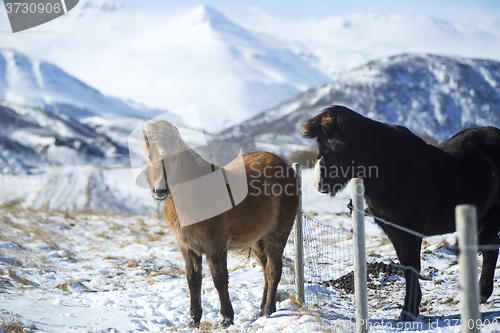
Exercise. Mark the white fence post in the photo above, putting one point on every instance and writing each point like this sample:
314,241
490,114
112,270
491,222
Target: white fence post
299,252
466,222
358,219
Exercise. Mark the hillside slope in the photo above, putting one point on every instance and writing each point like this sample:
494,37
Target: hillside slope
29,81
49,117
169,61
432,95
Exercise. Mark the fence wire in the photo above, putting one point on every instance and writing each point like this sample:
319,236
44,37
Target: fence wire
328,258
329,279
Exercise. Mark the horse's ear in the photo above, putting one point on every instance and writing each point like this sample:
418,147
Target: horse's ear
326,123
145,136
146,141
342,121
175,134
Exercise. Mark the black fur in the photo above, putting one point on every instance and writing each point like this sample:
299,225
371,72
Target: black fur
416,185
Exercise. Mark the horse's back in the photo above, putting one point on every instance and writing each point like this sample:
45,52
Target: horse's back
479,147
259,160
474,140
271,202
475,157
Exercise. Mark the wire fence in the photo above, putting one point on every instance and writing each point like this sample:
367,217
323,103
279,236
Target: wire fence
329,263
328,258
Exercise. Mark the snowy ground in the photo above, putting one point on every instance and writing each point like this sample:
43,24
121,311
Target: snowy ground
84,272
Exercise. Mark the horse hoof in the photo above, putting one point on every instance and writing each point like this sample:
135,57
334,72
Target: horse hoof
407,316
226,322
193,324
266,312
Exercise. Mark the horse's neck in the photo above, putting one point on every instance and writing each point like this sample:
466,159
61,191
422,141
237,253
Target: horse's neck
171,215
395,155
193,158
390,143
187,167
200,162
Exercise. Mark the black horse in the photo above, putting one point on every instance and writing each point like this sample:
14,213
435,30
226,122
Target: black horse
413,184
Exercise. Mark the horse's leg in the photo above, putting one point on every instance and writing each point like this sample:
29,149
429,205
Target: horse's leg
488,236
408,251
261,254
218,268
272,277
193,274
274,250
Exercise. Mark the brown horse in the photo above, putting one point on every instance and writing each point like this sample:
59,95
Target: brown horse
261,220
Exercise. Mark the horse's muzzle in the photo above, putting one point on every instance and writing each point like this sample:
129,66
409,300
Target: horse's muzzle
160,189
160,193
319,174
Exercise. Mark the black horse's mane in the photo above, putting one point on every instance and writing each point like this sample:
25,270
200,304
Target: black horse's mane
314,127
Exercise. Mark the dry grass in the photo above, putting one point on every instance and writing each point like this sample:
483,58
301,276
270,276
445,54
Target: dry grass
52,244
21,280
206,326
12,262
12,205
148,238
65,286
172,271
113,258
385,241
69,255
239,266
35,231
13,324
124,244
302,310
86,214
133,264
104,235
5,283
7,221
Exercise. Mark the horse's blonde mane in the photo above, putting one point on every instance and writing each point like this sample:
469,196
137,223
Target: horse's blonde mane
165,137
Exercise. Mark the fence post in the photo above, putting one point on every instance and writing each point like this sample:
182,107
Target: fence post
466,222
358,219
299,252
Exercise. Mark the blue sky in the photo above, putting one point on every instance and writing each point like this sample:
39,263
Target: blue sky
467,12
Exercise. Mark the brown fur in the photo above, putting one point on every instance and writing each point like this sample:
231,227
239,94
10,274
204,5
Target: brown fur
262,221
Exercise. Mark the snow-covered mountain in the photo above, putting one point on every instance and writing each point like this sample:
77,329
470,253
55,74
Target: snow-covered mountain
432,95
341,43
32,137
235,64
28,81
164,61
48,117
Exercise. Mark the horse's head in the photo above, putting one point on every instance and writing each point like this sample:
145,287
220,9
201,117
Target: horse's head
334,130
162,146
